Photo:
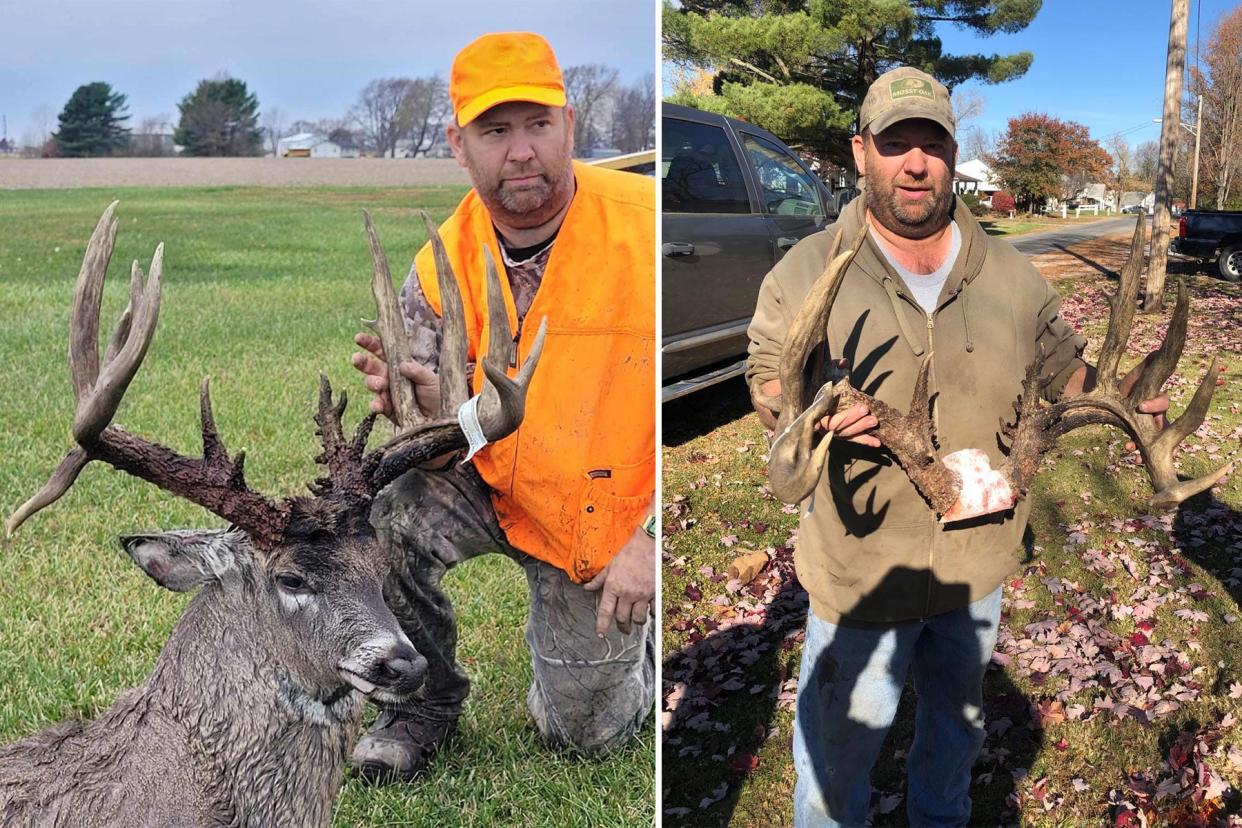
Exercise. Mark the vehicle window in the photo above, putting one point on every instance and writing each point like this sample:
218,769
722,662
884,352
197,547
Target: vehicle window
788,190
699,171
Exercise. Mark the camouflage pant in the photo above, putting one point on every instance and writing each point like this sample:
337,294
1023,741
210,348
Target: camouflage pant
587,692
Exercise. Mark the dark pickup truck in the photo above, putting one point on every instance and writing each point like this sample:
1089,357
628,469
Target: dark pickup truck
735,199
1205,234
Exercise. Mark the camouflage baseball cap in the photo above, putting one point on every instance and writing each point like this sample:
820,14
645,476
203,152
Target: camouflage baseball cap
904,93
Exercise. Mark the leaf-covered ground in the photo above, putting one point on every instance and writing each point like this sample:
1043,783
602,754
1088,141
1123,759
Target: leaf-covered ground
1116,687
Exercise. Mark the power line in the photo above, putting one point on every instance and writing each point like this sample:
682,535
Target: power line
1127,131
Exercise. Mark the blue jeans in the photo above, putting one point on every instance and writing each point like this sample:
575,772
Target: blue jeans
850,682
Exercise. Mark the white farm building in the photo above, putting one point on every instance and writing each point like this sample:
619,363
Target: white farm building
310,145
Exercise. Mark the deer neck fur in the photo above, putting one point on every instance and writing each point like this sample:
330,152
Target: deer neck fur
218,735
275,749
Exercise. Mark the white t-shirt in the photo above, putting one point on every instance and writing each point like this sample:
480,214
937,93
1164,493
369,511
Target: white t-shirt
926,286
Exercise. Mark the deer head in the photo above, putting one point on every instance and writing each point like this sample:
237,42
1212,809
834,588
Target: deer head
309,564
796,459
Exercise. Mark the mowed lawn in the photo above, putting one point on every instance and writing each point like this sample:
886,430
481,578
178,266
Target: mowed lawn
1116,687
263,291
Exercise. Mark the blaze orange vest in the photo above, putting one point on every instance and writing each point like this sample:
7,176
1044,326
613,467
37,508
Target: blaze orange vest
573,483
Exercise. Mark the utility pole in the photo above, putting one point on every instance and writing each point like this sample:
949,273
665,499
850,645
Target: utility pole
1174,66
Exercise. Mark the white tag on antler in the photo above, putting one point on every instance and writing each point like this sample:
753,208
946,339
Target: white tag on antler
468,419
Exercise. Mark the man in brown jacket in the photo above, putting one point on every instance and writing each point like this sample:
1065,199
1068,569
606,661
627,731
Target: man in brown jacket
891,588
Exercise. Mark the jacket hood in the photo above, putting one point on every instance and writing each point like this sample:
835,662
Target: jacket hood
872,262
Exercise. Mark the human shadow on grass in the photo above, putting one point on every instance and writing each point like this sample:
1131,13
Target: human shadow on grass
1208,531
694,415
708,747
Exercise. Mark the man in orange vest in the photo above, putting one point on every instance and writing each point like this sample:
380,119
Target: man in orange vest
569,494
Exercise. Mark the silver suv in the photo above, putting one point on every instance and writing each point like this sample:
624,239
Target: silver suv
735,198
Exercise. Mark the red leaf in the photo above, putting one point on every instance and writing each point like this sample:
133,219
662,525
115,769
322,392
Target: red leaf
744,763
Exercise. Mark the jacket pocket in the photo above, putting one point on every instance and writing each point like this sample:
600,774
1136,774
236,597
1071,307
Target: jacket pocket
613,504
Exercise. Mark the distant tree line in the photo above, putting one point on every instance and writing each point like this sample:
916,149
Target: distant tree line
391,117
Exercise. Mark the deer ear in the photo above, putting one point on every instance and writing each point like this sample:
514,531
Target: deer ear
184,559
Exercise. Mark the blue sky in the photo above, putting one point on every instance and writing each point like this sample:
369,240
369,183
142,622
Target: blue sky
308,58
1098,62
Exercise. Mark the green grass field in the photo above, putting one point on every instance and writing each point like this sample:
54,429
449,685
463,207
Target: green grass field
263,291
1122,680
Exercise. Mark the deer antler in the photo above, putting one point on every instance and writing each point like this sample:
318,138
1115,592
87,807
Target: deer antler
1105,404
796,462
502,403
214,481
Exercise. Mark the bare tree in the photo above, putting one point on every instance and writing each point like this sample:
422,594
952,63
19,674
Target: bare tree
1219,83
37,135
427,109
975,143
382,113
152,137
1146,159
588,88
1122,171
968,104
273,128
632,125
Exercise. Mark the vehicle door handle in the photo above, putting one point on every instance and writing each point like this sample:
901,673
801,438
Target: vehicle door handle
786,242
677,249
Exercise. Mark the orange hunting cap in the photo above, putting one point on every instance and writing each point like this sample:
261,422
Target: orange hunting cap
502,67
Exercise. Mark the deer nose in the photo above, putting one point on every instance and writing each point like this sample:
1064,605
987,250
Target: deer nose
402,667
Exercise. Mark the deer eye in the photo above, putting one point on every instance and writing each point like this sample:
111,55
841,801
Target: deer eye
292,584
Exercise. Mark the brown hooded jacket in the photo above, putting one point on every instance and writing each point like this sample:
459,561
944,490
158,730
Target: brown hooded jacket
870,549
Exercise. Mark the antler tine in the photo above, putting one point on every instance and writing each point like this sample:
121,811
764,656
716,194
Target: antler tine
909,438
87,295
454,346
120,331
1157,448
348,471
809,324
390,328
96,409
503,402
1162,365
795,462
55,487
1123,304
212,482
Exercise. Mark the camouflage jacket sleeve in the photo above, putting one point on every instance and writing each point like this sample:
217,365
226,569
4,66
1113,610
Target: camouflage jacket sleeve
422,325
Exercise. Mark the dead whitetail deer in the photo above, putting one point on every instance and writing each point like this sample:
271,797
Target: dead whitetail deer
255,699
962,485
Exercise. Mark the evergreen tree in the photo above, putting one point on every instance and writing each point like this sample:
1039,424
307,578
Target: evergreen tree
220,117
800,68
91,123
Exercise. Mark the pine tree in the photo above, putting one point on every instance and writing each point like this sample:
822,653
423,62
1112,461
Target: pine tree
220,117
91,123
800,68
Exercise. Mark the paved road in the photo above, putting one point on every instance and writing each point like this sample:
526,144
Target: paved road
1046,241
